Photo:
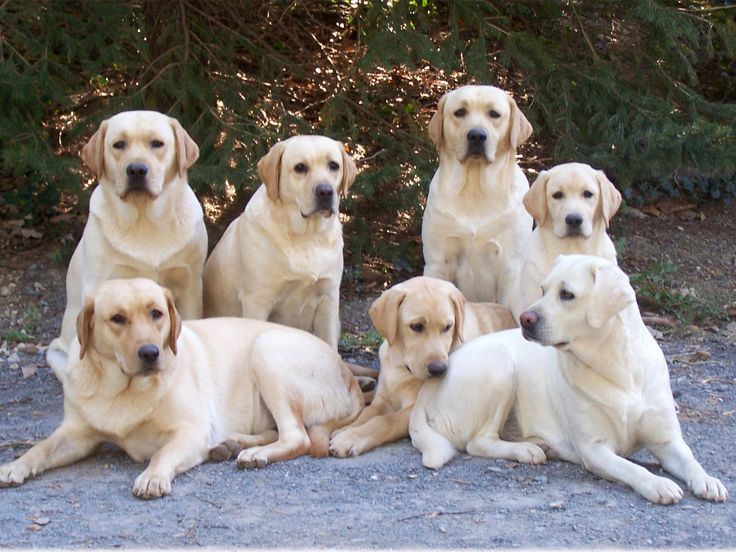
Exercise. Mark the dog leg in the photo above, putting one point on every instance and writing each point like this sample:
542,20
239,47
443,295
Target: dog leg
491,446
239,441
64,446
436,449
359,438
326,323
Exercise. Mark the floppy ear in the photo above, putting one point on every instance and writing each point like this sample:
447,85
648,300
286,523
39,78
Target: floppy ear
187,151
458,305
535,200
520,129
436,123
610,196
174,322
611,293
269,169
384,313
84,325
93,153
348,171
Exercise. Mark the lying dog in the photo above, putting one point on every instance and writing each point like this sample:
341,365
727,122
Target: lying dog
572,205
475,197
590,383
144,219
170,392
422,319
281,260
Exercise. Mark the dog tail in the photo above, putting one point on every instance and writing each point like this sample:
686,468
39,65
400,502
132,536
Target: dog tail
319,435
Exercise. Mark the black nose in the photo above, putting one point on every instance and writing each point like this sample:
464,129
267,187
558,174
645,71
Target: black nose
477,136
136,171
148,353
324,191
574,220
437,368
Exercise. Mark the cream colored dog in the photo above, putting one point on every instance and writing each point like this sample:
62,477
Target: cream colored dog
144,219
475,198
572,205
281,260
589,382
422,319
170,392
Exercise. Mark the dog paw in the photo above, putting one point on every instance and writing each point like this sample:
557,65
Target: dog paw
661,490
13,474
435,459
529,453
252,458
224,451
708,488
149,485
345,444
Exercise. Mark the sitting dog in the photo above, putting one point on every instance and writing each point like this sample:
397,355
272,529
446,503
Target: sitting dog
572,205
168,391
583,377
281,260
144,219
422,319
475,197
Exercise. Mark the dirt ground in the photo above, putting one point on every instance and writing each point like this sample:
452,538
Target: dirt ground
384,498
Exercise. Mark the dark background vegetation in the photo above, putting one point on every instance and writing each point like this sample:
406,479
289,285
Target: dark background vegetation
640,88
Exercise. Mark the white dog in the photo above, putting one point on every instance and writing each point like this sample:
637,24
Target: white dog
144,219
475,197
572,205
597,391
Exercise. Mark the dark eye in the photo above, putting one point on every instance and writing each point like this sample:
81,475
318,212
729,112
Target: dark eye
301,168
494,114
587,194
558,195
334,166
157,144
418,328
117,319
447,328
462,112
566,295
156,314
120,144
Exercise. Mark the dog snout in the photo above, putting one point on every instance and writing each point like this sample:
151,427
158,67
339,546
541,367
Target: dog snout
136,171
574,221
437,368
477,137
324,192
148,353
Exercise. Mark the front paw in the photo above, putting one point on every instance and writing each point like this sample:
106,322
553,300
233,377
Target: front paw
661,490
529,453
13,474
708,488
347,443
224,451
150,485
251,458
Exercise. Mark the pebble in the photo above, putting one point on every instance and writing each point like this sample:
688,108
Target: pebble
14,358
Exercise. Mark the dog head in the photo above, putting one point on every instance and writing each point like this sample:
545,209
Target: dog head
139,153
581,294
307,173
478,123
131,322
571,198
422,319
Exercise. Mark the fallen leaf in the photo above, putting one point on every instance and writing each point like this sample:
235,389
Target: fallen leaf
651,210
31,234
28,370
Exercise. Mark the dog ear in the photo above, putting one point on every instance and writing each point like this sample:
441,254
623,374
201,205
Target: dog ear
458,305
348,171
84,325
535,200
520,129
187,151
384,313
174,322
269,169
93,152
611,293
437,122
610,196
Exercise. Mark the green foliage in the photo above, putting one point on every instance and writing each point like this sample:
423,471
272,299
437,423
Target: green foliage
30,320
368,340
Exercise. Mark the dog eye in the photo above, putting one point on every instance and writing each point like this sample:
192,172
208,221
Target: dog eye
334,166
117,319
156,314
418,328
447,328
494,114
120,144
587,194
300,168
558,195
566,295
462,112
157,144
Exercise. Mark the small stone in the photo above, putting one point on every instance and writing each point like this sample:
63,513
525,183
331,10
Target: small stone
556,505
4,291
14,358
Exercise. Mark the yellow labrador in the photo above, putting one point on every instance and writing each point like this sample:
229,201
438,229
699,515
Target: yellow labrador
281,260
144,219
572,205
422,319
475,198
168,391
589,382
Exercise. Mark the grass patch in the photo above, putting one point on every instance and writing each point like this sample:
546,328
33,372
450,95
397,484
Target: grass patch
370,340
